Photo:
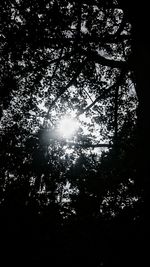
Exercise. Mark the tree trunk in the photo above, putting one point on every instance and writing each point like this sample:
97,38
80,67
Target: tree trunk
138,15
141,63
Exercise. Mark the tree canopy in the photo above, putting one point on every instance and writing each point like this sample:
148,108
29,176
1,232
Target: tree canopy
73,115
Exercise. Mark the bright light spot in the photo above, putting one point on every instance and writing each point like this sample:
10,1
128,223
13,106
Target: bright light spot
67,127
69,151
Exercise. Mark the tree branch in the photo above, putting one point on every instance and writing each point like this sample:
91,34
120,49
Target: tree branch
114,38
116,113
79,21
115,85
97,58
86,145
71,82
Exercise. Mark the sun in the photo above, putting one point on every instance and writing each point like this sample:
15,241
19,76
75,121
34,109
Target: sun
68,127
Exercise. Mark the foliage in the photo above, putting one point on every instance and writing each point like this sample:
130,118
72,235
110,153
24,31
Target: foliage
67,58
75,65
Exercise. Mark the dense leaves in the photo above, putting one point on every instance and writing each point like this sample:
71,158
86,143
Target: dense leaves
68,59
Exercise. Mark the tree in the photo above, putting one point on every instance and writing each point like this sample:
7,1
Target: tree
138,16
82,66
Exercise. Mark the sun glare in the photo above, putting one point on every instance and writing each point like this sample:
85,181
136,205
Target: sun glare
67,127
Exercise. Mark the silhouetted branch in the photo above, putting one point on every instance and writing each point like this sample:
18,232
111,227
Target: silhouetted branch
114,38
86,145
79,20
71,82
97,58
115,85
116,113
